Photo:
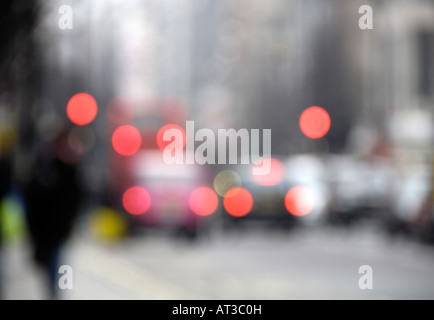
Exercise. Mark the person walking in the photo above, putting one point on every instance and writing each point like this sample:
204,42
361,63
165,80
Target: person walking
52,198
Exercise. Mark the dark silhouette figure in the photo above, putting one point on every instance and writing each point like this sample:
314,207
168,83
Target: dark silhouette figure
52,197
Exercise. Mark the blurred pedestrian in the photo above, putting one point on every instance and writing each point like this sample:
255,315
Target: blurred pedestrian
52,197
7,141
5,182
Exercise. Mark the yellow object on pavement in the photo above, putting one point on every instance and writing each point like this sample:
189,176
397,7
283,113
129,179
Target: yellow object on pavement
108,224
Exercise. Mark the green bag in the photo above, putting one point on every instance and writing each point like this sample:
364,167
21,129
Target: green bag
12,222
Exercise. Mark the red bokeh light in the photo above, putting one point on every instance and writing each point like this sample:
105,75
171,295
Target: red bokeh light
82,109
274,176
315,122
126,140
300,201
238,202
163,144
203,201
136,200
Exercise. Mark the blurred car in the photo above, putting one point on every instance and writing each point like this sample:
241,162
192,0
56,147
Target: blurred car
306,174
360,188
268,198
412,210
293,192
167,193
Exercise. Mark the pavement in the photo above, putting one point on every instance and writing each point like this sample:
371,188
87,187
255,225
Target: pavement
305,263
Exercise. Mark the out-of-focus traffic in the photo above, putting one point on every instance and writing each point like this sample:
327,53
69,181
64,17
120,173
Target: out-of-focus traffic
89,89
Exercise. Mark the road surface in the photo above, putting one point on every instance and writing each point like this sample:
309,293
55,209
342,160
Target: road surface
316,263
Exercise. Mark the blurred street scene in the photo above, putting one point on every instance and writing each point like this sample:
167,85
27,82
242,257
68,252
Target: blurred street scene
93,93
